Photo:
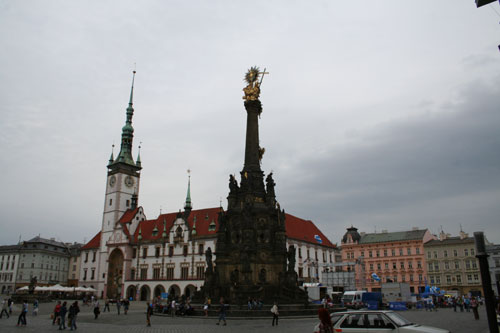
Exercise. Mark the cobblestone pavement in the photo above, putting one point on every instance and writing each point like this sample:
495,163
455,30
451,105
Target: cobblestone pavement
135,321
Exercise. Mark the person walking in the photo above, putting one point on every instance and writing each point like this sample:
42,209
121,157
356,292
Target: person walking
21,320
62,316
325,325
73,313
57,309
149,313
173,305
126,305
222,312
275,312
5,306
474,305
97,311
10,304
106,305
118,305
35,308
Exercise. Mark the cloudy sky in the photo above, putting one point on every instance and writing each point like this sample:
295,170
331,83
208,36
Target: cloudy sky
377,114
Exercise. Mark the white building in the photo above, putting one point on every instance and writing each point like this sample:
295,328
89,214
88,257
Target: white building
9,258
135,257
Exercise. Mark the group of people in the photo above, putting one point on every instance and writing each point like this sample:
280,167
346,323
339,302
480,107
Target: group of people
255,304
60,312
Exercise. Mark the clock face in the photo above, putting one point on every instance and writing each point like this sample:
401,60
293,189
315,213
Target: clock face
112,181
129,181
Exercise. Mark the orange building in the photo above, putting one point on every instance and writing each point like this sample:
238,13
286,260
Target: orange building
392,256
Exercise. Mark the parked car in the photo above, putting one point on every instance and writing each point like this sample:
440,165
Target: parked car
376,322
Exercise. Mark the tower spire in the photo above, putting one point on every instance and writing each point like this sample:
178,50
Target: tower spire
125,155
187,205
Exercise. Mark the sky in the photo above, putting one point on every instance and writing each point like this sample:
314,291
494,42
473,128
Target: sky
383,115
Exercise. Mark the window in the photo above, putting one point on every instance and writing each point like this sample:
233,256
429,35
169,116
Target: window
200,272
386,265
432,279
170,250
184,272
446,265
156,273
32,265
134,253
429,265
157,251
410,264
467,264
92,274
144,272
459,278
420,278
474,264
472,252
371,267
370,254
476,277
448,279
408,250
445,253
394,266
435,254
400,252
466,252
428,254
185,250
457,265
324,256
200,249
362,253
417,250
110,202
93,256
402,264
132,274
385,252
419,264
144,252
395,278
86,257
393,252
300,252
411,277
84,275
170,272
455,253
378,253
127,203
307,253
379,266
438,279
301,272
469,278
353,321
403,278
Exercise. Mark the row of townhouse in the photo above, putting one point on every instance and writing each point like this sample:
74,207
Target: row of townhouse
418,258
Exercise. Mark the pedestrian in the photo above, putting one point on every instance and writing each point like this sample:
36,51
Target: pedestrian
467,304
97,311
62,316
5,306
461,304
126,305
57,309
73,313
149,313
474,305
275,312
118,305
35,308
454,301
21,320
172,308
222,312
10,304
325,324
205,307
106,305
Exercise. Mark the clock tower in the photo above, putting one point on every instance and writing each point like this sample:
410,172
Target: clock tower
122,186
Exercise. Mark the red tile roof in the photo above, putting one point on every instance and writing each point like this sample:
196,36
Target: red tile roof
305,230
126,218
296,228
94,242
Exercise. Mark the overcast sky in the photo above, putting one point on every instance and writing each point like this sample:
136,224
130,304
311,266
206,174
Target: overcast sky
377,114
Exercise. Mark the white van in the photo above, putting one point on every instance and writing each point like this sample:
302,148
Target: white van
353,299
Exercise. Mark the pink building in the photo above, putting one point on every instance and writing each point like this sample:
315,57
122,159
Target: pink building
392,256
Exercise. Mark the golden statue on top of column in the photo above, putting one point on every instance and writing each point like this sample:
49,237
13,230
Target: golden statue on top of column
252,90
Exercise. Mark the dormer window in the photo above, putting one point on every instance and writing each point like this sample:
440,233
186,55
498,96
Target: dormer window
178,232
155,231
211,226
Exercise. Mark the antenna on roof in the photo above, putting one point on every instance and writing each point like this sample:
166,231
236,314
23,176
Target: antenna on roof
160,209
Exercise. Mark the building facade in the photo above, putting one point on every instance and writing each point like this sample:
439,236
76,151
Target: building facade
45,259
493,251
392,256
452,264
9,259
74,264
132,256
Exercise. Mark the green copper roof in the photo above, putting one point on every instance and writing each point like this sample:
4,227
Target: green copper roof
392,236
188,196
125,155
